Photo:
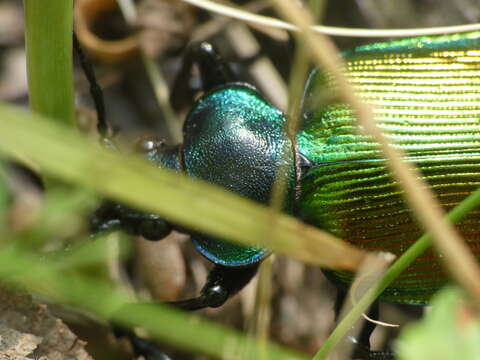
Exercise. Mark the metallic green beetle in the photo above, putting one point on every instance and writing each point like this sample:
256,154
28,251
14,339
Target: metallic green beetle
425,92
426,95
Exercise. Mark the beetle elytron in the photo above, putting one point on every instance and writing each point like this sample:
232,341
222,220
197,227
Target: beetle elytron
426,93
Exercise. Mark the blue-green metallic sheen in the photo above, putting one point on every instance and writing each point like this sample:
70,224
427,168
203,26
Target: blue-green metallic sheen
236,139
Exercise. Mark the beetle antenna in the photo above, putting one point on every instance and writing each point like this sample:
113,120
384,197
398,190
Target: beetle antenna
95,90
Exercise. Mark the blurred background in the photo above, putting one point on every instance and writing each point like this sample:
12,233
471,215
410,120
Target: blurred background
136,62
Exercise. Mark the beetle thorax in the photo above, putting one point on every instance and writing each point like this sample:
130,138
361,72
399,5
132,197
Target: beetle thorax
236,139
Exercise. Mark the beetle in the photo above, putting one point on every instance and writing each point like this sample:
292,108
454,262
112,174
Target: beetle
425,94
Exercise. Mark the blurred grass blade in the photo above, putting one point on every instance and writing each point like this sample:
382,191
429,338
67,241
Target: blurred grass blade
101,299
4,198
88,253
450,331
48,28
180,199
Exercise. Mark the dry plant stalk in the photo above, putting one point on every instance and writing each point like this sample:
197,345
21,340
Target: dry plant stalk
251,18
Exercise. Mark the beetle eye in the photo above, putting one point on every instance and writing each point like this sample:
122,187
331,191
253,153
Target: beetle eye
154,229
147,144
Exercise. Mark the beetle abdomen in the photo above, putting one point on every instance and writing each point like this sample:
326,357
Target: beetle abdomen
358,201
426,96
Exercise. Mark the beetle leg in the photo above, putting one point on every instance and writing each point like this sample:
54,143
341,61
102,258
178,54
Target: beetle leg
214,72
111,216
222,283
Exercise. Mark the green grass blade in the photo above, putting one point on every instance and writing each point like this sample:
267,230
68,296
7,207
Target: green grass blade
49,57
180,199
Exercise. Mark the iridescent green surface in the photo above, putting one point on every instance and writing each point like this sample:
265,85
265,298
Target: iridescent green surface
234,138
426,97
